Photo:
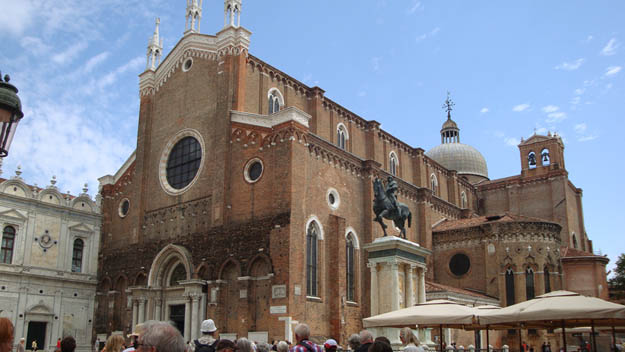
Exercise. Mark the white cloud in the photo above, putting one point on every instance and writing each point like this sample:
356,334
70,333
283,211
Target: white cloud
415,6
16,16
484,110
550,108
610,48
432,33
511,141
579,91
576,100
570,66
375,62
556,117
70,53
589,39
95,61
580,127
111,77
521,107
35,45
586,138
612,70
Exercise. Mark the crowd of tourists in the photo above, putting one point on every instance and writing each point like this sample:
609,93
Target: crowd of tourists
159,336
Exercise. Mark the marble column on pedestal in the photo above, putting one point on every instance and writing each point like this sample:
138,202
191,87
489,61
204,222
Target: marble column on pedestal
187,319
135,314
394,266
141,317
410,284
422,285
374,288
195,316
203,298
158,306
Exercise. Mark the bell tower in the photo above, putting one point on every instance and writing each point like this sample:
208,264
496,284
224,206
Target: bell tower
541,154
232,12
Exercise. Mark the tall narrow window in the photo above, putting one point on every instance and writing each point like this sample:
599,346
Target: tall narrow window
274,101
311,260
509,287
434,184
349,258
394,163
547,280
77,256
341,136
8,242
463,200
529,284
574,241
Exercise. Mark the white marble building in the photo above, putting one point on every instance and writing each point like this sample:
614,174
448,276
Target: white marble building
48,262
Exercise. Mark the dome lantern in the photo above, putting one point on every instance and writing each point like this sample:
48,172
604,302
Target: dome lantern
450,133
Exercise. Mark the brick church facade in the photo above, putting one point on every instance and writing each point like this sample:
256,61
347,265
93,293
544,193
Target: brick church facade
248,200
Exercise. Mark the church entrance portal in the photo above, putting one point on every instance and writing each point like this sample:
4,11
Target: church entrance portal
36,332
176,314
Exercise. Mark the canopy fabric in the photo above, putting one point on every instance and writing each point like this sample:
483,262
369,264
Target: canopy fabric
557,306
429,314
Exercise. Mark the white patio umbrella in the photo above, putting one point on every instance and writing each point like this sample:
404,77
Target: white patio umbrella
567,308
437,313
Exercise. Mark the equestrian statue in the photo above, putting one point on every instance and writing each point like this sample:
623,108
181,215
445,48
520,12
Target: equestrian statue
386,206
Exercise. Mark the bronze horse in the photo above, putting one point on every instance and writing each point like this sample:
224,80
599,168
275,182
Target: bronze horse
384,209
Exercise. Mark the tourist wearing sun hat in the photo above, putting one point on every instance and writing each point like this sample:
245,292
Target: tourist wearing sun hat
207,342
330,345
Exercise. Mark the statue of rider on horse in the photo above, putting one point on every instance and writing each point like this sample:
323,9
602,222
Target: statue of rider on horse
386,206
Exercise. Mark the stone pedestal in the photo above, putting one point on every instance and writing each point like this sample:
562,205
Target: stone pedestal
398,269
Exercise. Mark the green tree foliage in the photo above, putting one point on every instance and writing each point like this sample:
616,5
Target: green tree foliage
618,279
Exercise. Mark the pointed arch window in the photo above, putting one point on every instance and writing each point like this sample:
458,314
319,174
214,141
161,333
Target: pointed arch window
547,280
341,136
529,284
510,287
393,164
275,101
349,259
77,255
312,234
179,274
434,184
8,243
463,200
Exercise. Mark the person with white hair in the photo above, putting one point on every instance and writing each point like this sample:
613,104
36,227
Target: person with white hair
282,346
302,334
159,336
366,340
244,345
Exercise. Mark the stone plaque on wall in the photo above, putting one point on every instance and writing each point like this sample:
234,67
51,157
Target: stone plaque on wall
277,309
298,290
258,336
278,291
243,293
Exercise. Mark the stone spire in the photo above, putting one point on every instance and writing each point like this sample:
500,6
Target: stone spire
232,12
194,16
155,49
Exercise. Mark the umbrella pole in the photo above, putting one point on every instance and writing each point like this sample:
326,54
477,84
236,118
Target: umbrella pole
564,335
520,340
487,340
594,340
613,337
441,336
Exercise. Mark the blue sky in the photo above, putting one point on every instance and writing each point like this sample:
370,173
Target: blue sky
511,67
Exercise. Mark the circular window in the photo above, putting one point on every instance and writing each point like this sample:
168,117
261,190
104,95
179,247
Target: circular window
187,65
459,264
124,207
332,196
181,162
253,170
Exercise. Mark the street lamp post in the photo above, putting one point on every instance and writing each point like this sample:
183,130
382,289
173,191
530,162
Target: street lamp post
10,114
